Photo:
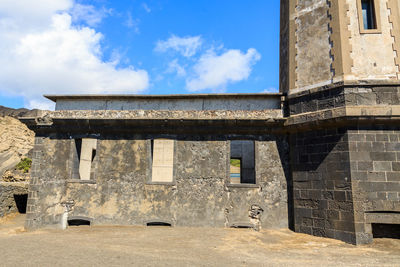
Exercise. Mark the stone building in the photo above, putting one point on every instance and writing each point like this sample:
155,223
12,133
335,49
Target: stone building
321,157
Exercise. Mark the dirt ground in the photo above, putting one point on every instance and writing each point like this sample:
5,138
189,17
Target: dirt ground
165,246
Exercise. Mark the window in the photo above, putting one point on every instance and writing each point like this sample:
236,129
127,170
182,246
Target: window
242,163
368,14
84,154
163,160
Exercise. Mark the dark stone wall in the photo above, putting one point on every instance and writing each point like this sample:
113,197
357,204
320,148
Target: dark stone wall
323,204
335,96
346,179
121,191
284,47
375,171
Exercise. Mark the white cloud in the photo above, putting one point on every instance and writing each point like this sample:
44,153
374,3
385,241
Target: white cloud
214,71
186,46
270,90
88,14
43,53
146,7
132,23
175,67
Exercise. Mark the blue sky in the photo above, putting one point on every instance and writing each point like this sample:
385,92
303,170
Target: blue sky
132,46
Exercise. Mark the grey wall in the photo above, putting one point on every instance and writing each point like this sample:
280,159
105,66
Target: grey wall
258,102
122,194
323,203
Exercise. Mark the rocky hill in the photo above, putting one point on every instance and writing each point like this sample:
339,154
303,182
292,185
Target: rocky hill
16,140
15,113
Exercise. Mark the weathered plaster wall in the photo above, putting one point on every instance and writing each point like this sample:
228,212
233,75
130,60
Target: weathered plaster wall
313,59
121,191
372,53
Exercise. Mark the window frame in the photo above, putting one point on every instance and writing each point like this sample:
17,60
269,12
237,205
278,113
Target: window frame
377,14
228,162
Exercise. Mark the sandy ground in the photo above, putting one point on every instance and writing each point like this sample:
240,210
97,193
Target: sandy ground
165,246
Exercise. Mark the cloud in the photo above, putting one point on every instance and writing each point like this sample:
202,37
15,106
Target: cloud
186,46
44,53
175,67
88,14
270,90
146,7
214,71
132,23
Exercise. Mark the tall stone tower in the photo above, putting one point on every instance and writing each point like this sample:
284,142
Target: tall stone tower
340,70
328,41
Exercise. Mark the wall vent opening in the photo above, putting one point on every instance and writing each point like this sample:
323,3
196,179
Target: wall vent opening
158,224
78,222
242,226
382,230
21,202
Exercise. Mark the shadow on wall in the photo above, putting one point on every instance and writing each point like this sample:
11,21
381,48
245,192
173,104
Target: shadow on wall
283,149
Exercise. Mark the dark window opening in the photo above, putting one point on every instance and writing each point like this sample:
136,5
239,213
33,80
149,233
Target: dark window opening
242,162
152,149
158,224
381,230
76,158
78,222
21,202
368,14
78,148
93,154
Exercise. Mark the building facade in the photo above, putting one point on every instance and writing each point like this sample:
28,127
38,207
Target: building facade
321,157
340,71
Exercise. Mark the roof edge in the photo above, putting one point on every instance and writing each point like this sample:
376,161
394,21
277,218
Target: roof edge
54,98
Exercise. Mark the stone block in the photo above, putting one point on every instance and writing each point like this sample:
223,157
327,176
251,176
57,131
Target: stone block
365,166
360,156
393,176
378,146
332,214
392,146
376,176
364,147
382,166
396,166
392,186
382,138
344,226
340,195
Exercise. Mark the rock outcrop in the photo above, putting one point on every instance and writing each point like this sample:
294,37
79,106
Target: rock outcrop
16,140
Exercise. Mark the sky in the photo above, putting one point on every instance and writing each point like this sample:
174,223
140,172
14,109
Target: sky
136,47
